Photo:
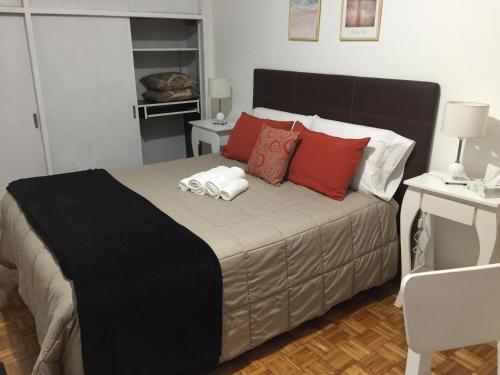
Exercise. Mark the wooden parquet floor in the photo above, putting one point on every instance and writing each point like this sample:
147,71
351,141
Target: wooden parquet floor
362,336
18,344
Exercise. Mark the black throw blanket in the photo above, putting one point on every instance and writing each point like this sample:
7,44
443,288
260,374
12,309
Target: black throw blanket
149,291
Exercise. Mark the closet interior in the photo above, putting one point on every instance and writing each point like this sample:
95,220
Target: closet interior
166,46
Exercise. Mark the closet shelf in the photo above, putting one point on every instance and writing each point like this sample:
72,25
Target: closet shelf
154,109
165,49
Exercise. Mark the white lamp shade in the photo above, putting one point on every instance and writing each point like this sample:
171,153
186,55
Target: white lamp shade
465,119
219,88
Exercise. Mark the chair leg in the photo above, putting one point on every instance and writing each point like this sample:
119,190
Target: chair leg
418,364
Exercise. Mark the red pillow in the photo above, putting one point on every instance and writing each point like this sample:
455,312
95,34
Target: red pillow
245,134
324,163
271,154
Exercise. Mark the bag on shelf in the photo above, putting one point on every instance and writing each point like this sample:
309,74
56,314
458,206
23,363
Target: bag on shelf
169,81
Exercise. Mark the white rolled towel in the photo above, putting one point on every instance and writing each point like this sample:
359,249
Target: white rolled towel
219,182
197,184
234,189
184,183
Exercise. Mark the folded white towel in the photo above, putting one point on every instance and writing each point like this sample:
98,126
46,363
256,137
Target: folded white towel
219,182
184,183
197,184
234,189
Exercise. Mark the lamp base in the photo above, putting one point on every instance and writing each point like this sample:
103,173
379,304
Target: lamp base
219,119
457,172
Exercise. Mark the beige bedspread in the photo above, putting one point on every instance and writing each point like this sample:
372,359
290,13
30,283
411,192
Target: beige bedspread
287,254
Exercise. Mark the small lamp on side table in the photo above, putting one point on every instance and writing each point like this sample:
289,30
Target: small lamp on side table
219,88
464,120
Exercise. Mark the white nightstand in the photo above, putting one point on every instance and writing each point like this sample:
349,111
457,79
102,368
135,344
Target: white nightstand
208,132
431,195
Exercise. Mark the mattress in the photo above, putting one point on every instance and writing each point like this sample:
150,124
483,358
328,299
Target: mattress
287,255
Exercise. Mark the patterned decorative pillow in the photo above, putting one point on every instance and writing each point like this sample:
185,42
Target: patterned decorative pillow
245,133
271,154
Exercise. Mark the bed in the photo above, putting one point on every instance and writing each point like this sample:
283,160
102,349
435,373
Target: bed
287,254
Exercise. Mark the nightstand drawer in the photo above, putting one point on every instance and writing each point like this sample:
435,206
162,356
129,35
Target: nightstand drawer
448,209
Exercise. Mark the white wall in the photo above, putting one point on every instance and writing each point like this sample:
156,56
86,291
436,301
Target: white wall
452,42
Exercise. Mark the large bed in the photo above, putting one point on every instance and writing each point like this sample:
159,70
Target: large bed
287,254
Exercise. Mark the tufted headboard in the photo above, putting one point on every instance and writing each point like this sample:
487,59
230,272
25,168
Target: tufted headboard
406,107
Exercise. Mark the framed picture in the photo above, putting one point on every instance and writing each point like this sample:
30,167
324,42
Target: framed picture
304,19
360,19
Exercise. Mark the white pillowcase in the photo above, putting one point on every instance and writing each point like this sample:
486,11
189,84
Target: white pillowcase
382,165
273,114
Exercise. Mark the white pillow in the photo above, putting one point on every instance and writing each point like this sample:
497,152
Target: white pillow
382,165
273,114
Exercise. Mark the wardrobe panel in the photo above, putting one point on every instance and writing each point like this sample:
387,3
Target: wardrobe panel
89,90
21,149
121,5
171,6
10,3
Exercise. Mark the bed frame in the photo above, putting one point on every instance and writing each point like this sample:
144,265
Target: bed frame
406,107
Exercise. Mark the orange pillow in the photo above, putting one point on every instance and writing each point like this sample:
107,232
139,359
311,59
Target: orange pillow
324,163
245,134
271,154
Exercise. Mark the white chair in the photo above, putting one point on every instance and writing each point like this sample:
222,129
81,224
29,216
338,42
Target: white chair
449,309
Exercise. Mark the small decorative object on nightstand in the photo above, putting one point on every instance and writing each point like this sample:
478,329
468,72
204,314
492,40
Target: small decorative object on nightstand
489,186
430,194
219,88
209,132
464,120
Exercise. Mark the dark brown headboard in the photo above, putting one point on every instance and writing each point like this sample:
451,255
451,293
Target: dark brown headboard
406,107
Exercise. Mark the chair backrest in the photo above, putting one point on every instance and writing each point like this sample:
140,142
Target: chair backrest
452,308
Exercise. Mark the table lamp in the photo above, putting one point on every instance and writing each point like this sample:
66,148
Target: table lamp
464,120
219,88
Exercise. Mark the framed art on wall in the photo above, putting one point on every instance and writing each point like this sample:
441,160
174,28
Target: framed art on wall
360,19
304,20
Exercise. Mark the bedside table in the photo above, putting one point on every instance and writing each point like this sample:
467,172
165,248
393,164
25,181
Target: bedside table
208,132
431,195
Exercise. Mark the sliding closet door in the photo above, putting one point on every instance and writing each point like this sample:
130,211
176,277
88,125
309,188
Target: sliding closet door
88,85
21,150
